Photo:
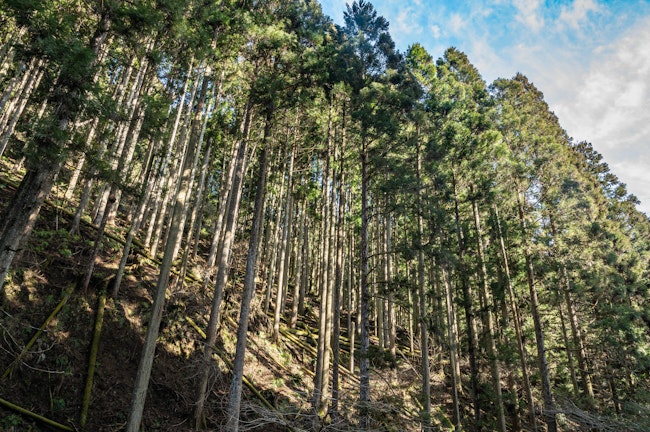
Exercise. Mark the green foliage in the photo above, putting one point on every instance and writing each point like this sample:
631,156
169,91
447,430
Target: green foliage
11,421
381,358
438,141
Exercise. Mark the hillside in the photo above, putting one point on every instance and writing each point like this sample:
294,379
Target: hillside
48,325
232,215
47,333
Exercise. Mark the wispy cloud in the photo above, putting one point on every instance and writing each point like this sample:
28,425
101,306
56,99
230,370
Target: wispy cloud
457,23
575,14
610,107
406,26
529,13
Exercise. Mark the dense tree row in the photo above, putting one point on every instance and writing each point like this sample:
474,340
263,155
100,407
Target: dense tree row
420,209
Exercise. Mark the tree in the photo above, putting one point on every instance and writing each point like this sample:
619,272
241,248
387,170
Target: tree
74,57
371,51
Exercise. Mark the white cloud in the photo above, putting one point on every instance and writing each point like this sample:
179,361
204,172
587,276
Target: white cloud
529,13
456,23
435,31
406,24
610,108
573,16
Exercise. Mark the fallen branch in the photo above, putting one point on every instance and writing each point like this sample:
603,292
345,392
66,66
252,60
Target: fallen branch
224,357
66,295
35,416
94,348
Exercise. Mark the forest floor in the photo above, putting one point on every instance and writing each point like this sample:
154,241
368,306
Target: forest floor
48,377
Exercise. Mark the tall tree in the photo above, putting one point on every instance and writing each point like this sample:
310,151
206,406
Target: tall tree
74,56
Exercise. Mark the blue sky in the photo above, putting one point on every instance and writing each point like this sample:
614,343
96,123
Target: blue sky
590,58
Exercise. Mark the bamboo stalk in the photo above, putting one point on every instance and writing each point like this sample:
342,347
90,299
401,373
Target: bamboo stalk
57,309
94,348
35,416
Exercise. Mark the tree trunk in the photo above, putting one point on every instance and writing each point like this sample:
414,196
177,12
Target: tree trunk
321,379
549,406
223,267
424,333
338,274
302,261
488,320
452,329
284,250
234,400
23,98
364,362
149,347
517,321
569,352
470,320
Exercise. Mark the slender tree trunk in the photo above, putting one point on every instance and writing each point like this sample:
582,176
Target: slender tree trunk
517,321
223,267
90,267
488,320
338,275
424,333
302,261
549,406
578,340
35,79
410,311
353,301
234,400
27,80
321,379
452,329
273,256
569,352
364,363
74,179
149,347
470,320
284,250
390,315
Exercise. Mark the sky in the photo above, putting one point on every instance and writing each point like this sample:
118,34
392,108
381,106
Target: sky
590,58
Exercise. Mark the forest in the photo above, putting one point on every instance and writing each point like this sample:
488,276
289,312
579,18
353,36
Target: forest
238,215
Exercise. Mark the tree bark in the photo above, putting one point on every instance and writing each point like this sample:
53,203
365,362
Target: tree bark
234,400
223,267
149,347
364,362
321,379
549,406
517,321
488,320
424,333
452,330
284,250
